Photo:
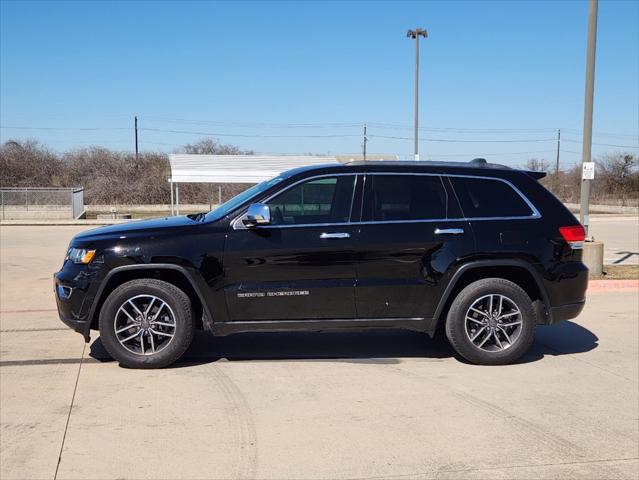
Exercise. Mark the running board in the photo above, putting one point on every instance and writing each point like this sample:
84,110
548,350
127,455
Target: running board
323,325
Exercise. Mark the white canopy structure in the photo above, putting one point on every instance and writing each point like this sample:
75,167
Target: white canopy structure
190,168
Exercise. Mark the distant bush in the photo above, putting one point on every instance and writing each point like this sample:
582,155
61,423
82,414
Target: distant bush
117,178
616,180
109,177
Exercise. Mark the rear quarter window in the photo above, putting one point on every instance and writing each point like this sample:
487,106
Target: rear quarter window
485,197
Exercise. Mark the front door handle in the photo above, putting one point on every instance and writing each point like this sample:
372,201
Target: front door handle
335,235
449,231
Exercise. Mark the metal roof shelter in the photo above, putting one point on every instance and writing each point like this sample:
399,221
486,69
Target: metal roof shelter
191,168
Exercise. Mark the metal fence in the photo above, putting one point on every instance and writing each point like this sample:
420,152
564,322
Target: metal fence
42,203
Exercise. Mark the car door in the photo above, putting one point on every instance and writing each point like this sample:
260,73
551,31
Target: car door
302,265
412,231
501,217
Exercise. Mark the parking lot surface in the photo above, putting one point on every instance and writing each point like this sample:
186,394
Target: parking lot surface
313,406
620,234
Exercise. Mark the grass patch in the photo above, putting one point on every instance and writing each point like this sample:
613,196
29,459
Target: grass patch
619,272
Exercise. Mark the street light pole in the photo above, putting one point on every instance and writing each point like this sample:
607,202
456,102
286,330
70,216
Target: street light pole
136,138
415,34
584,215
365,140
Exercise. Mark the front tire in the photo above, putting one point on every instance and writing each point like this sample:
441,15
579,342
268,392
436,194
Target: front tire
491,322
146,323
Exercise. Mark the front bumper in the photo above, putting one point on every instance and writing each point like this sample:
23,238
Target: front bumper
79,326
74,289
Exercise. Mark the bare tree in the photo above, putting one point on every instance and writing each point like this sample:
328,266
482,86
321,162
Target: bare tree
210,146
28,164
111,177
617,178
212,192
537,165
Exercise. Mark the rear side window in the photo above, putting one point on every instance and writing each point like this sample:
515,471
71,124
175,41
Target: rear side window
483,197
404,197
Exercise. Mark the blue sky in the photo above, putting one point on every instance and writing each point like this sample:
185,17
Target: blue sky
268,76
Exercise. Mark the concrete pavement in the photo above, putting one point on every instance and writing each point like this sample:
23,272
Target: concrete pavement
312,406
620,234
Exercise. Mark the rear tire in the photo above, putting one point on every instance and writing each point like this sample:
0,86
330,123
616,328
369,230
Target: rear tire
491,322
146,323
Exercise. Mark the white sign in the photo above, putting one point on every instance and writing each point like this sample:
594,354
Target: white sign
588,172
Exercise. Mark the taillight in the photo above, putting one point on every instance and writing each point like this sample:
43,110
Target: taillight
574,235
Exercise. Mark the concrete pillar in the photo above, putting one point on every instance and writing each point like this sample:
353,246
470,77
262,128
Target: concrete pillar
593,254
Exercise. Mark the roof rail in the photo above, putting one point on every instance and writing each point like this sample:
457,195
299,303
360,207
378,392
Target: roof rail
478,161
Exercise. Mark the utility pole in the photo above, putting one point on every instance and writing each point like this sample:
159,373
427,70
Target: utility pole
365,140
558,145
415,34
584,215
136,138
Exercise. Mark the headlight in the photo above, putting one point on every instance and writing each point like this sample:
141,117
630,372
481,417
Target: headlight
80,255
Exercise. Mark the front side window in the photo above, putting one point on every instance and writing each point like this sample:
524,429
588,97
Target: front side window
242,197
484,197
404,197
320,200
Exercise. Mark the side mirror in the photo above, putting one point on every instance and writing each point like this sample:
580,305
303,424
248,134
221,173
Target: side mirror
257,214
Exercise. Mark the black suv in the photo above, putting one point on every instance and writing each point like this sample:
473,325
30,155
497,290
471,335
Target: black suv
482,251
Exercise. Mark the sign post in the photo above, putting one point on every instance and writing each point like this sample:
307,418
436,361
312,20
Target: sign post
584,208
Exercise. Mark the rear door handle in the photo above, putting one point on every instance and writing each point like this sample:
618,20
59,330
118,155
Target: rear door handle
449,231
335,235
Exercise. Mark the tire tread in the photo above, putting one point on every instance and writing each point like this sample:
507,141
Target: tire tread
456,318
183,315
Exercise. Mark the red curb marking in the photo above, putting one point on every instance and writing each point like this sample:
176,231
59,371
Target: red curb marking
36,310
595,286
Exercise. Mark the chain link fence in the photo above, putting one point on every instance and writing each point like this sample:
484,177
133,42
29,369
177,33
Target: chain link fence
41,203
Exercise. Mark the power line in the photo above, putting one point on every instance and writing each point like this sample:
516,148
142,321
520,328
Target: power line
605,144
602,134
391,126
339,125
252,125
466,154
92,129
335,125
450,140
343,125
241,135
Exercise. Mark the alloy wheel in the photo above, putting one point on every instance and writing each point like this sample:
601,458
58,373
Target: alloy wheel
144,324
493,323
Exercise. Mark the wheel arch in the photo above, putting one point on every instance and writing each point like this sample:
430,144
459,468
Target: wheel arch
517,271
173,274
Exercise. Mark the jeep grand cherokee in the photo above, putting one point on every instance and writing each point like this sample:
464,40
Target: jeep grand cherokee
482,251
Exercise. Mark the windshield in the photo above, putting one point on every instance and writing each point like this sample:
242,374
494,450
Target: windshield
230,205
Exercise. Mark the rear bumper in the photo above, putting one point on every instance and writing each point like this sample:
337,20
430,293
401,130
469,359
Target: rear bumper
566,291
566,312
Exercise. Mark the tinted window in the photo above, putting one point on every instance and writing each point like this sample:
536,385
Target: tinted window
239,199
322,200
404,197
481,197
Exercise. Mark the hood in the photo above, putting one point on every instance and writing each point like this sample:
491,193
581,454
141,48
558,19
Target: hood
140,227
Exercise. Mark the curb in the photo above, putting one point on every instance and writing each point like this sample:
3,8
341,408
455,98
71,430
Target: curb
597,286
58,223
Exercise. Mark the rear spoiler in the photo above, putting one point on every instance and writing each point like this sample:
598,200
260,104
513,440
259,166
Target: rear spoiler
535,174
